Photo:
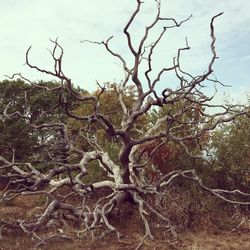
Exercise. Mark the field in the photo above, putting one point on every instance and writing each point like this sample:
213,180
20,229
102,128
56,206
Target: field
204,237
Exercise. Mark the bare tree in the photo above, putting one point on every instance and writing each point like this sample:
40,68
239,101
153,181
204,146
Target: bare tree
124,180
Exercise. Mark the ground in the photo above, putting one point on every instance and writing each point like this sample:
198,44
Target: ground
189,241
130,227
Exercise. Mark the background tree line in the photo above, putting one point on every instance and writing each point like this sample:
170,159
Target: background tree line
229,144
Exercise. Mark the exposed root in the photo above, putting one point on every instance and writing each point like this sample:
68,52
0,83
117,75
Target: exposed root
42,241
139,201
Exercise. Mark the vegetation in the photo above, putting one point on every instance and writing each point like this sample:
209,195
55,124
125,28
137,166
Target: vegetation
230,144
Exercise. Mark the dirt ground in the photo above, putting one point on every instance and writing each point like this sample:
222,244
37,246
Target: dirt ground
189,241
130,227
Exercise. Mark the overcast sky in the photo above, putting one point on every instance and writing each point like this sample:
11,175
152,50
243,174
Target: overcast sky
26,22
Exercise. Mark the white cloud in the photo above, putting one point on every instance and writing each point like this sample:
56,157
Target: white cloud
34,22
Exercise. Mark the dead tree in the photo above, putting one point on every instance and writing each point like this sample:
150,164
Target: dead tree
124,180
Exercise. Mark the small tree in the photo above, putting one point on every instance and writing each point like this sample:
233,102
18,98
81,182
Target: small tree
124,178
230,144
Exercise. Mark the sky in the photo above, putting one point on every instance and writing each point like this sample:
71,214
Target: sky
25,22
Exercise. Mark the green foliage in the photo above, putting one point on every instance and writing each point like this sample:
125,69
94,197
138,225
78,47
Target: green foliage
15,135
171,155
39,106
231,147
95,174
109,105
229,144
